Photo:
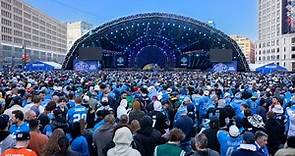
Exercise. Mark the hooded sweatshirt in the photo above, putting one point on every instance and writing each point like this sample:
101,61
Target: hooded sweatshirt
122,139
6,141
122,108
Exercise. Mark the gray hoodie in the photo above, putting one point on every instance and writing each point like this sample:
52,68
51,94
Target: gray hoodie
6,141
122,139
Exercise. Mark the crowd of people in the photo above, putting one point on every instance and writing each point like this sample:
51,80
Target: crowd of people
117,113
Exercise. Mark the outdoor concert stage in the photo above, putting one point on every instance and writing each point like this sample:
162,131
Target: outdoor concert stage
168,40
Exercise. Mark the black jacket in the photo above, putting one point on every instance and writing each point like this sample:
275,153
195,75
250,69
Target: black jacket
148,138
213,143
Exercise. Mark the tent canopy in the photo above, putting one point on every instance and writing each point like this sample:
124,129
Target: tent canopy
42,66
270,68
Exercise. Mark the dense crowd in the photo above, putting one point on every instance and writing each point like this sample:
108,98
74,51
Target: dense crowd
116,113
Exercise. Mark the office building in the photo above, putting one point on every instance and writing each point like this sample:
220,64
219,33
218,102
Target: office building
24,27
276,38
75,30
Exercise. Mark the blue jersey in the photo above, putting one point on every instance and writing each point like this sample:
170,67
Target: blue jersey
22,128
80,145
76,113
227,143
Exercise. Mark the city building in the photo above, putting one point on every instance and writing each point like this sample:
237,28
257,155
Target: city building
25,29
75,30
247,47
276,39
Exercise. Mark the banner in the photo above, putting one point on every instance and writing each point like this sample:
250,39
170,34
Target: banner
120,61
86,66
225,67
184,61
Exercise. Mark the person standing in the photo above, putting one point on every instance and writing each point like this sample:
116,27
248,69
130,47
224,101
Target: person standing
18,123
6,139
247,147
172,147
37,140
229,141
261,142
201,146
22,141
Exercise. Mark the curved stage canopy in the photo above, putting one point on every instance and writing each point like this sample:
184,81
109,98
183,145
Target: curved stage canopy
157,38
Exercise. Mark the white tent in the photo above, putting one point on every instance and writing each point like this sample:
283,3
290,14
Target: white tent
54,64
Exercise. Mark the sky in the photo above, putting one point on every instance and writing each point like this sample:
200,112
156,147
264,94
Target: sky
234,17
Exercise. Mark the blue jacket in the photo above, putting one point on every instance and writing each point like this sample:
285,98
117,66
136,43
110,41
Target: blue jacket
80,145
263,150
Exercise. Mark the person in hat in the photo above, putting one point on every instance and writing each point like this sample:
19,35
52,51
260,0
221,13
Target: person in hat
247,147
6,139
136,113
229,140
159,119
185,123
22,141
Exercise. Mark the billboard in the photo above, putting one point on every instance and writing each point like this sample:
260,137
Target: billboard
225,67
288,16
86,66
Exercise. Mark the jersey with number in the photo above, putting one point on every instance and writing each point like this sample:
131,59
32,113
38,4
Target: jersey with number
227,143
76,113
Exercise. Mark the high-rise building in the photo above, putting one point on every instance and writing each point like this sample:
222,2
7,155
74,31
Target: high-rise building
75,30
24,27
247,47
276,42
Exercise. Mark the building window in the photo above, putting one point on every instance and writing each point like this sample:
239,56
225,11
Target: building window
17,11
18,33
6,38
27,29
293,40
278,49
17,18
17,40
293,48
5,22
6,30
278,57
6,14
293,56
5,5
18,26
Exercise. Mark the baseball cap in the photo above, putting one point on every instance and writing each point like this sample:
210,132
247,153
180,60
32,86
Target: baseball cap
4,119
249,137
234,131
22,136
